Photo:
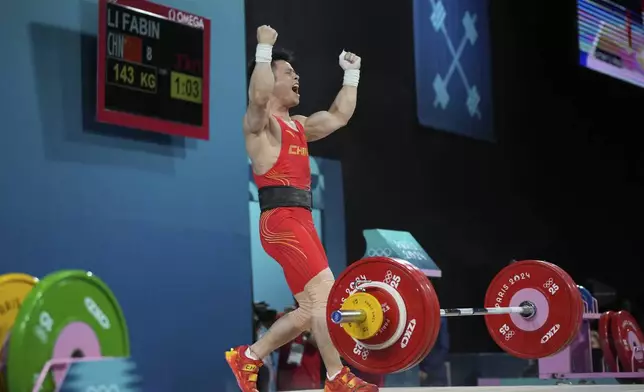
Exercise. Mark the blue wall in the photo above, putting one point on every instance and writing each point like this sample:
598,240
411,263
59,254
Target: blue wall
163,220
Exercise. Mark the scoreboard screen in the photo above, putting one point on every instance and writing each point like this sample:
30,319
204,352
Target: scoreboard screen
153,68
611,38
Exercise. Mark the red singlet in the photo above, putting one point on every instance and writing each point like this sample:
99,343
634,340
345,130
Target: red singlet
288,234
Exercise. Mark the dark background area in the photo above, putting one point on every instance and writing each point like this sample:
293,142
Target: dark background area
562,183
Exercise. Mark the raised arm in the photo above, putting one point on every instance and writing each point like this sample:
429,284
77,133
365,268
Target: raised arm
261,82
324,123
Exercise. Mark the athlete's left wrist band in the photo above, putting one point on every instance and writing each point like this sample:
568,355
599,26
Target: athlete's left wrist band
351,77
264,53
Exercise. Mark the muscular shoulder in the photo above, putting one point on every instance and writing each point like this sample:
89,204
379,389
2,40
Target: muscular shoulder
299,118
270,127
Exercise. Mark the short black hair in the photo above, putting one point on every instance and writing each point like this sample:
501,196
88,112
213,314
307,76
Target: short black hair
278,54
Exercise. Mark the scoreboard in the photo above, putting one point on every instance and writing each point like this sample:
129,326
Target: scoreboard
153,68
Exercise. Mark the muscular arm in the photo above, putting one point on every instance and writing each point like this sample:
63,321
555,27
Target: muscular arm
324,123
259,92
321,124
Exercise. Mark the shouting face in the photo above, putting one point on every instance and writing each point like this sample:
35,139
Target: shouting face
287,84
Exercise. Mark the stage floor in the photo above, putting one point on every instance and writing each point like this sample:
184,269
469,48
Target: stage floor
541,388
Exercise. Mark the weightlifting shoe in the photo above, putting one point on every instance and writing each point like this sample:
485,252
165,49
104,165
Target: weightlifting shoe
346,381
245,369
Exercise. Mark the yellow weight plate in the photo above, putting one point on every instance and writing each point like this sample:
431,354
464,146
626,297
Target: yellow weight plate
373,309
13,289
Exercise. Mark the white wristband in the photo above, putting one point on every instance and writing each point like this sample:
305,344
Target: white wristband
264,53
351,77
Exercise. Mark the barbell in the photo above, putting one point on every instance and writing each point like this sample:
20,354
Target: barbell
526,310
385,316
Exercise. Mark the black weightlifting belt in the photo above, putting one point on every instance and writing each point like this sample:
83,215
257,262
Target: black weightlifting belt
284,196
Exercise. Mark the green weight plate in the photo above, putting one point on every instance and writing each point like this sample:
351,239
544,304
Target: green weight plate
68,314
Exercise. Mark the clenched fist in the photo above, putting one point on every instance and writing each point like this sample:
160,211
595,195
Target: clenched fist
349,60
266,35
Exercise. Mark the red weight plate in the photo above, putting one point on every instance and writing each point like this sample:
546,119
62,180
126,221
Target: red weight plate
423,282
435,337
429,289
628,339
557,316
606,341
423,278
422,320
426,284
578,306
389,309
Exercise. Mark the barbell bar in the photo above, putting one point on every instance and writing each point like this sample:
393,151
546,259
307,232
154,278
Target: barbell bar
527,310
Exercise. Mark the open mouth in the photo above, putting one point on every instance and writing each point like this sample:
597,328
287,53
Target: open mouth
296,89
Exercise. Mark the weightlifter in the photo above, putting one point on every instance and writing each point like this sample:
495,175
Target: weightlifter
276,143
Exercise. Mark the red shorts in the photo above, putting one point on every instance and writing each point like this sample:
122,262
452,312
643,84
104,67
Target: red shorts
288,235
